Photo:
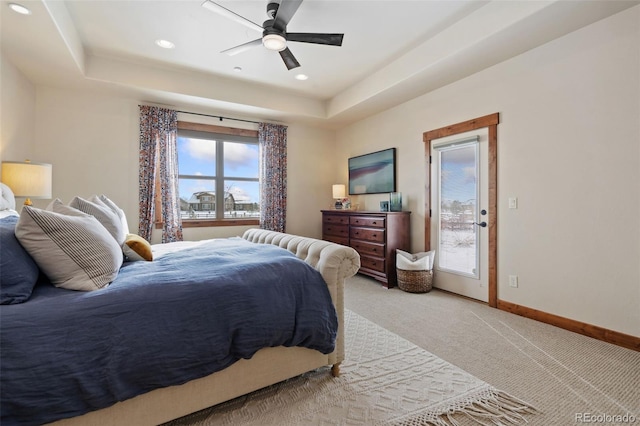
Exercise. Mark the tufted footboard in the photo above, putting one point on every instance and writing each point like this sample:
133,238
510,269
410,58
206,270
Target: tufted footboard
334,262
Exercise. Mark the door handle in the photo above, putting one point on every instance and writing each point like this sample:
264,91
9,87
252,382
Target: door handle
482,224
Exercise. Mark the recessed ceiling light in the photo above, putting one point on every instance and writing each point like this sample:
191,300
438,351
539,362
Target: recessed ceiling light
237,69
301,76
165,44
19,9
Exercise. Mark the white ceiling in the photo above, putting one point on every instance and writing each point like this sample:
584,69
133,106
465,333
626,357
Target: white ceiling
392,51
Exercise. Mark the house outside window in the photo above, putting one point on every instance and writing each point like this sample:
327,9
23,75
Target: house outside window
216,160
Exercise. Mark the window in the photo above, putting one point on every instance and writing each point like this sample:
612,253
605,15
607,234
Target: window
213,161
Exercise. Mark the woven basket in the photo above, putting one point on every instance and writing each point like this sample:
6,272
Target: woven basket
415,281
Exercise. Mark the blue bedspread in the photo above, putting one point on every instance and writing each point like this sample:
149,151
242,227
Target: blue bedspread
160,323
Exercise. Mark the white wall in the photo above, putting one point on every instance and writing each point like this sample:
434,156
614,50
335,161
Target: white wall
92,140
569,149
311,172
17,112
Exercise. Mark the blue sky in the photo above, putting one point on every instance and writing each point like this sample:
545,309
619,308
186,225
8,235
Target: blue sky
198,157
458,174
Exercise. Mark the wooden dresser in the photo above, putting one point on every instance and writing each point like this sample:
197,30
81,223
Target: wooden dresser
374,235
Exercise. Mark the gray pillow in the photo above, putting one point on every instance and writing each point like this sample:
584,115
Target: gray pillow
73,250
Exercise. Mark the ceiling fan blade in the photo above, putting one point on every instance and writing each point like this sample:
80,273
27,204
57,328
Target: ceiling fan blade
329,39
215,7
285,12
289,60
242,47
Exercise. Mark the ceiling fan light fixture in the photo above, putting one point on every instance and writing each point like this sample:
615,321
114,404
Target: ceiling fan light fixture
274,42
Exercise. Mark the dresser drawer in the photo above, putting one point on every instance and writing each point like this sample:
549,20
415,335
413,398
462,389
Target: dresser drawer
369,221
373,263
330,229
335,219
365,247
367,234
336,239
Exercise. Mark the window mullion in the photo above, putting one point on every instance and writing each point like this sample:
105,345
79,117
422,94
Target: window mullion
220,179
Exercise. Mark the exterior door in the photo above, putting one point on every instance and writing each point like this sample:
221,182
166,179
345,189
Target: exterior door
459,213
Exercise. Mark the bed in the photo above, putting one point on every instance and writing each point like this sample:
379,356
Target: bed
128,382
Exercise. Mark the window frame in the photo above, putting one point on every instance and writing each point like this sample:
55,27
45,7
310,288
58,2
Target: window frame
198,223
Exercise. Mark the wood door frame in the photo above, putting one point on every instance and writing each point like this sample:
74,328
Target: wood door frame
490,121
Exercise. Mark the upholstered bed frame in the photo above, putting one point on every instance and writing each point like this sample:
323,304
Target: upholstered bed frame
268,366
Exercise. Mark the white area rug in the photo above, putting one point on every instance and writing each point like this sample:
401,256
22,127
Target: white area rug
385,380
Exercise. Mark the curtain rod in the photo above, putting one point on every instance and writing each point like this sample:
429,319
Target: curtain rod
220,117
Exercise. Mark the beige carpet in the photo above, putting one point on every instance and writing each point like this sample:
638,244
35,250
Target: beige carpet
385,380
569,377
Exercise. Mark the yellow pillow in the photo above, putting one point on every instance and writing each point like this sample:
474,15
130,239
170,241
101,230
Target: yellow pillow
137,248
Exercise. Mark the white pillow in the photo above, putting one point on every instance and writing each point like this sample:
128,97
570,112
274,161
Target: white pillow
107,217
73,250
7,199
113,206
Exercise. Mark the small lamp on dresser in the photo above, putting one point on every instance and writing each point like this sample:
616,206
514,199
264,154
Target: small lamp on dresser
339,193
27,179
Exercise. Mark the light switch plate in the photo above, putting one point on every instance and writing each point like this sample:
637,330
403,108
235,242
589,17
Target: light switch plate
513,281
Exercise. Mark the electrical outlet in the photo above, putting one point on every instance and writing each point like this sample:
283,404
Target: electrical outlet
513,281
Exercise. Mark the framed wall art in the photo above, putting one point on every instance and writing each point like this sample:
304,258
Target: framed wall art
373,173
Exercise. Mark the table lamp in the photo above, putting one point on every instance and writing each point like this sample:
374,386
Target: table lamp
27,179
339,193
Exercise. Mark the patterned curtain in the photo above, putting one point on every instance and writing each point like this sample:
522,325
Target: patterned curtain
273,176
159,166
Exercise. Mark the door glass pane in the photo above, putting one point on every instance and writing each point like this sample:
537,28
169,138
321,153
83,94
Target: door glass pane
458,236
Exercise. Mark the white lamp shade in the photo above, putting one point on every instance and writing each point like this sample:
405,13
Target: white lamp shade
339,191
31,180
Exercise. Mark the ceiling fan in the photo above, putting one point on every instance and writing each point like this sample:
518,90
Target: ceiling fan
274,30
